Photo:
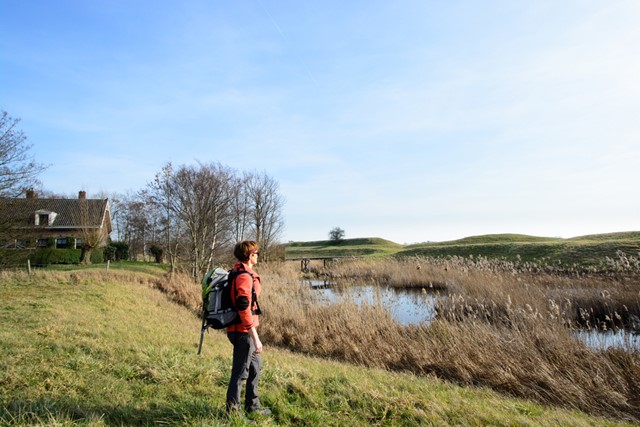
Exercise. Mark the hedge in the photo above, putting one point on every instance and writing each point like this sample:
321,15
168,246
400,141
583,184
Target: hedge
48,256
55,256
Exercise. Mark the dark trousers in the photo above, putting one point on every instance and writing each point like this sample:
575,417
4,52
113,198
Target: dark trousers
246,366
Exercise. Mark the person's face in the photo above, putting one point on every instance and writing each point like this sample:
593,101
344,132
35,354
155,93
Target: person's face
254,258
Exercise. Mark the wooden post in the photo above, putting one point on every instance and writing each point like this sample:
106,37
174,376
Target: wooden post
108,261
29,266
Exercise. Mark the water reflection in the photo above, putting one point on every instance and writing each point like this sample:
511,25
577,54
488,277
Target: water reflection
411,307
603,340
406,306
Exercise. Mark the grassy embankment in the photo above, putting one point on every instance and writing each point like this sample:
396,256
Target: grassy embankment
109,348
589,250
370,247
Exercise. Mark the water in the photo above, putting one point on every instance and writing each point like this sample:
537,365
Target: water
413,307
603,340
406,306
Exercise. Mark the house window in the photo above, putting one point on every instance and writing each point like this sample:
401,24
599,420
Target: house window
44,218
62,243
42,243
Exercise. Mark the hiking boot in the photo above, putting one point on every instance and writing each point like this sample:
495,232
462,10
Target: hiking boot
260,411
235,413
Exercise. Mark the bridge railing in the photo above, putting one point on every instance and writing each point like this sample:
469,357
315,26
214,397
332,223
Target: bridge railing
305,262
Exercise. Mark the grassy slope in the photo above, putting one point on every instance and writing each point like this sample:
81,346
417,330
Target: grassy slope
348,247
584,250
91,348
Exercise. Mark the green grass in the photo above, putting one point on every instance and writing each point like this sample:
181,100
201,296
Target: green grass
499,238
589,250
92,348
142,267
345,248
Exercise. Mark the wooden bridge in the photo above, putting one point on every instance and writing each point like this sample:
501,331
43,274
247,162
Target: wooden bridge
305,262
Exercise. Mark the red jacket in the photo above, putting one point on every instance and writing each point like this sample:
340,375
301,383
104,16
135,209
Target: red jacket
243,285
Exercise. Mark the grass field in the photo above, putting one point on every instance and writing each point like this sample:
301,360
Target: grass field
97,348
131,266
345,248
585,251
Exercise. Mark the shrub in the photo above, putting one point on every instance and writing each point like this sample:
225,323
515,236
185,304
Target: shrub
11,257
55,256
97,256
109,253
47,256
157,253
121,250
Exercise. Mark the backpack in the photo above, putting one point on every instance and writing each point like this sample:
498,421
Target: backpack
218,311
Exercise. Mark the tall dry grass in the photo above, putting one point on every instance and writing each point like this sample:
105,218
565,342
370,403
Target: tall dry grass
181,289
502,329
492,289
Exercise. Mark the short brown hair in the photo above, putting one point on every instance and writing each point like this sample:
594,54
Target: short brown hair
244,250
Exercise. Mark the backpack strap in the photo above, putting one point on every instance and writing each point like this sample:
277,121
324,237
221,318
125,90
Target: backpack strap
234,274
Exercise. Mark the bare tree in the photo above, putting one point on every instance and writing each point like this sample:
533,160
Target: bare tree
118,215
131,222
93,233
196,199
18,170
203,204
239,211
136,227
159,194
200,210
265,204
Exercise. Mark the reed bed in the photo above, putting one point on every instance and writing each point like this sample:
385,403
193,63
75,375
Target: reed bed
500,328
491,289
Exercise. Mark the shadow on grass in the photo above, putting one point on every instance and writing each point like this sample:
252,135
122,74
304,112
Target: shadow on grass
68,411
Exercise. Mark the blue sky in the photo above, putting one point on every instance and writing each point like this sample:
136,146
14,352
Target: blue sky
409,120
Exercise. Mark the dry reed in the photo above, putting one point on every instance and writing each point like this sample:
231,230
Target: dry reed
180,288
500,328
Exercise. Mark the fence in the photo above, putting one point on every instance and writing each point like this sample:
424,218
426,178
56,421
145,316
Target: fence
30,267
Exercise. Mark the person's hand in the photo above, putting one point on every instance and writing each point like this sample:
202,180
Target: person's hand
256,340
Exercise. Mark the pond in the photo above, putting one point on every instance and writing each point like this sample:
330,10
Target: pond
411,307
609,339
408,307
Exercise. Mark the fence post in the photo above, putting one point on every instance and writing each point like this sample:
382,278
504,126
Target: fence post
29,266
108,261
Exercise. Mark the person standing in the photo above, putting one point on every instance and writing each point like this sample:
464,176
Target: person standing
247,346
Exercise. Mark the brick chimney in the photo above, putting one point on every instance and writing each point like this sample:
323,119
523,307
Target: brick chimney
82,194
30,194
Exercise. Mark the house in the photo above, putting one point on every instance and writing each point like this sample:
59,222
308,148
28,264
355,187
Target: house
33,222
